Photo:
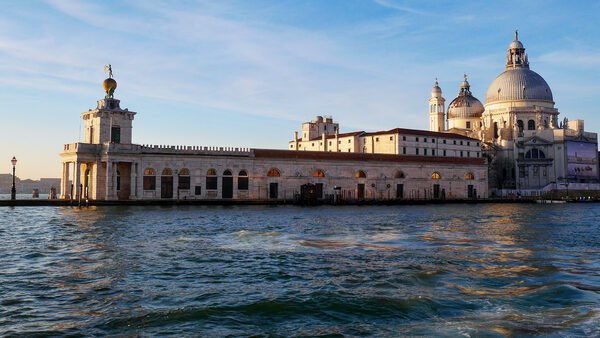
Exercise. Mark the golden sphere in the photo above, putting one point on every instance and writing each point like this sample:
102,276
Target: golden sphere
109,85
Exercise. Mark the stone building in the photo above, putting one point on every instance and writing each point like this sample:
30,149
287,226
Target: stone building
386,165
527,145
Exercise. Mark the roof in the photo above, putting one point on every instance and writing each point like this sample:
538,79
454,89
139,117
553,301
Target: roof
339,156
354,133
421,133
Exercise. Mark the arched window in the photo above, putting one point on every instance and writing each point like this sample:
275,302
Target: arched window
227,173
360,174
184,179
318,173
211,179
167,172
399,174
520,125
534,154
436,176
243,180
273,172
531,125
149,179
469,176
496,130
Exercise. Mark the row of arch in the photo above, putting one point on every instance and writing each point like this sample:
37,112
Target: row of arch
274,172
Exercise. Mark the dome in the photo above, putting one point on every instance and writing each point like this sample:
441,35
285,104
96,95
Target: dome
465,105
519,84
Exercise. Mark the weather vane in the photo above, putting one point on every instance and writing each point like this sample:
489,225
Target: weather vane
109,68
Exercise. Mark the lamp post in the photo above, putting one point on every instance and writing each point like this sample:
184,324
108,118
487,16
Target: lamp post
13,191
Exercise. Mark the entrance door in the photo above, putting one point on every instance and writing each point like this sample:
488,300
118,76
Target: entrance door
399,191
319,190
166,187
361,191
273,190
470,192
227,191
436,191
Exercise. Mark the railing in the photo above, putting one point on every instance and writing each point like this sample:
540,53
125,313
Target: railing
168,149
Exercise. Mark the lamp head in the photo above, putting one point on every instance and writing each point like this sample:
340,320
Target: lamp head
14,161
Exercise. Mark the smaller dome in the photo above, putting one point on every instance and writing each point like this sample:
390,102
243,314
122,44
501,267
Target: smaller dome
465,105
515,45
436,91
109,86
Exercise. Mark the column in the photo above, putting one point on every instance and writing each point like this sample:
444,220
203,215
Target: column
133,181
77,180
108,180
64,191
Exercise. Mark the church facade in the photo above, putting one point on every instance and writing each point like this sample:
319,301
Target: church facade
521,134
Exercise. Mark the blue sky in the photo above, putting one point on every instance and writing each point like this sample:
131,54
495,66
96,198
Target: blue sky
247,73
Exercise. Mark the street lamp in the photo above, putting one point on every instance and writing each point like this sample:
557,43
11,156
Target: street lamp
13,191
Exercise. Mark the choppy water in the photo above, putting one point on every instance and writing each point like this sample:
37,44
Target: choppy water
470,270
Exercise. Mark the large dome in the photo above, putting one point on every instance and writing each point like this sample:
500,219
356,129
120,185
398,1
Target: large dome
519,84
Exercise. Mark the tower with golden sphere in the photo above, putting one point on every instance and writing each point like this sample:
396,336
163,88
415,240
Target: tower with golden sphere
108,123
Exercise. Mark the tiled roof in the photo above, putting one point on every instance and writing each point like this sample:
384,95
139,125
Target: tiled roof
340,156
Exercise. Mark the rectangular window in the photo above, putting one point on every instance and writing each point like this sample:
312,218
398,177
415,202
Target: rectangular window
432,140
425,151
198,190
461,143
444,152
329,142
425,139
417,151
432,152
477,154
149,182
391,138
243,183
184,182
461,154
211,183
339,141
115,134
349,141
404,150
468,125
417,139
403,138
468,154
444,141
377,139
454,141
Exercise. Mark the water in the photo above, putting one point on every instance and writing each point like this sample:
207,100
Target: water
455,270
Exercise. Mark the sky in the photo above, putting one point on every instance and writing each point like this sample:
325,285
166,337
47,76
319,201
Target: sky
248,73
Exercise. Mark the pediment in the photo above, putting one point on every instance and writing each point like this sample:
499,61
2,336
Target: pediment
536,141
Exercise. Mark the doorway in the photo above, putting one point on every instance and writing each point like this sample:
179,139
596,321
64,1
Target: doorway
227,189
273,190
436,191
166,187
360,191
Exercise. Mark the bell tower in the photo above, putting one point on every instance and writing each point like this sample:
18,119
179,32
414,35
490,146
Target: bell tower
436,109
108,123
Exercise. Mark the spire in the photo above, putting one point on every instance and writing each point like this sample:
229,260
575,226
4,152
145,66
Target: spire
516,35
